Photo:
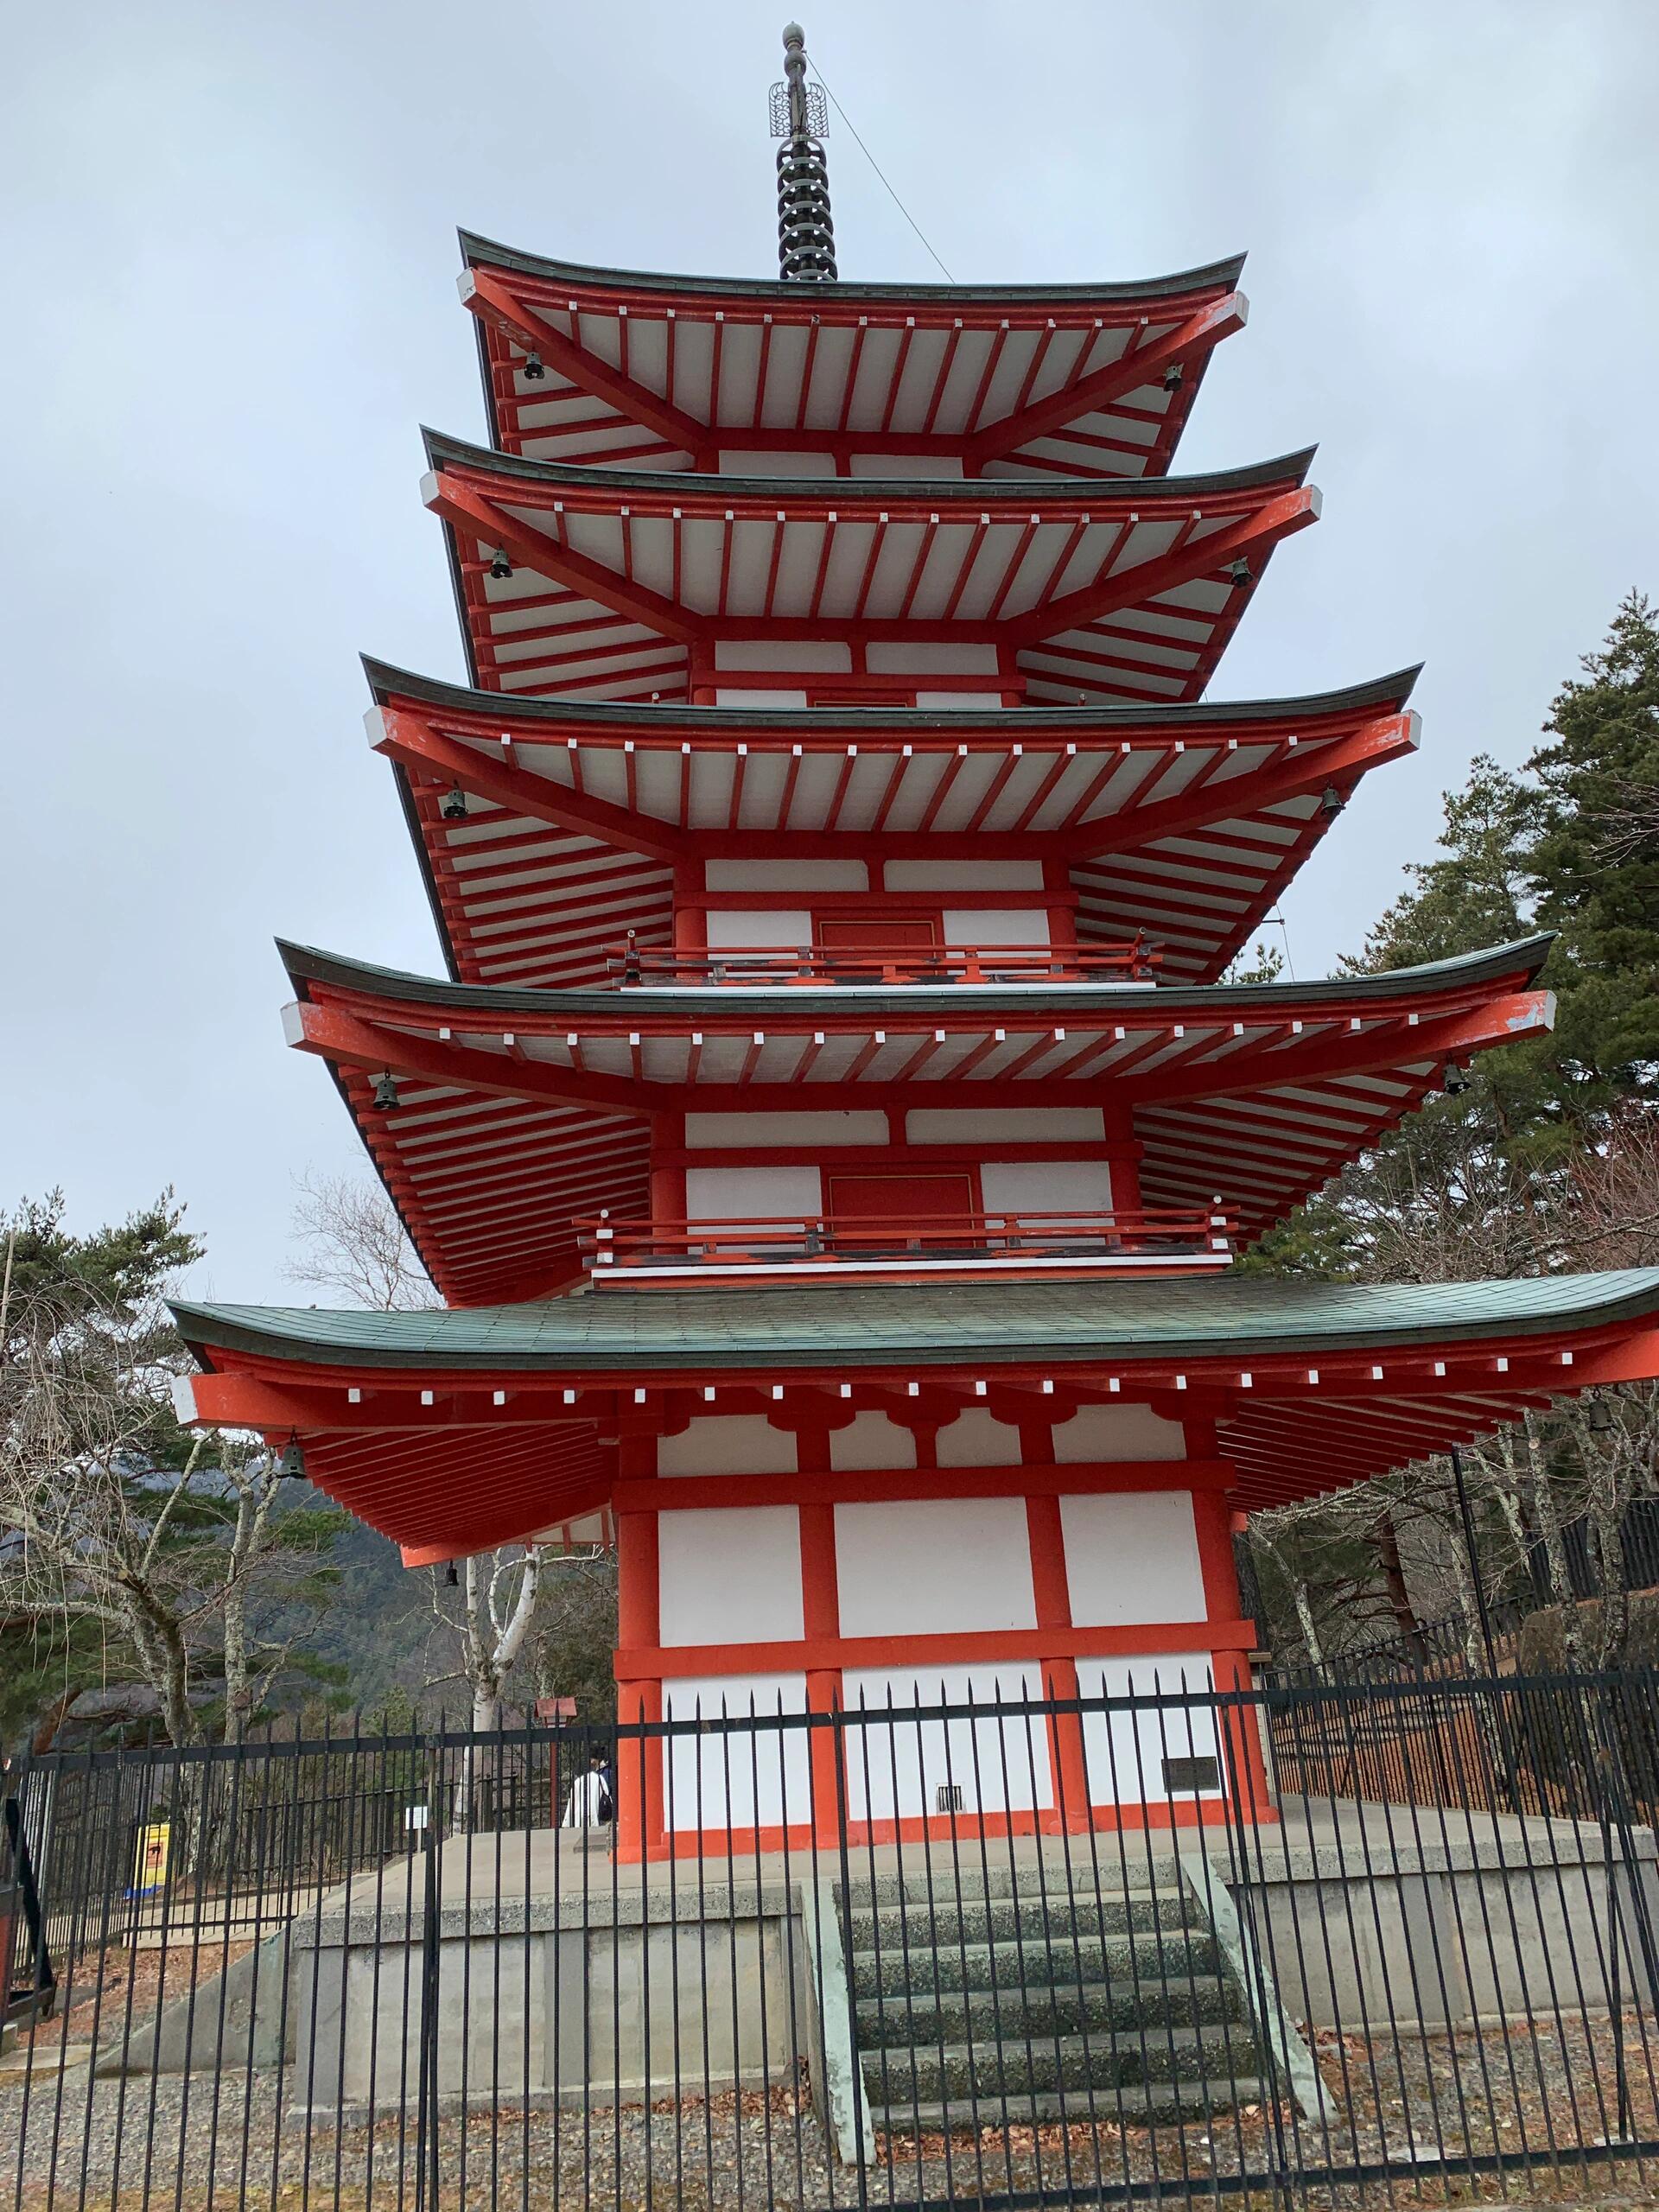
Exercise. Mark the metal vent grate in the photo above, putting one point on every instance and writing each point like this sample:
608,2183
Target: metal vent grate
947,1798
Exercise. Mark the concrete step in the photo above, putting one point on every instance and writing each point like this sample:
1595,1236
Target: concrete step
1057,1916
1130,2104
1139,1964
915,2020
1218,2056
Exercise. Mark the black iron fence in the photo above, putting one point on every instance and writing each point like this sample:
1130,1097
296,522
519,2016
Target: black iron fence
1379,1938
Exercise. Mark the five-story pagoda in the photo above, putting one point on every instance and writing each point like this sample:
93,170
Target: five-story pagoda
832,1135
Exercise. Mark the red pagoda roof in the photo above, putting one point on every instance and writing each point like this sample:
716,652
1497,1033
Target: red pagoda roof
452,1432
1069,587
1186,821
668,371
519,1112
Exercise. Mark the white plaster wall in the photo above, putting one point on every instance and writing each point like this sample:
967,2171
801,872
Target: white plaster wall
742,1194
729,695
933,1567
895,1768
788,927
1046,1186
822,655
964,875
1005,1125
1130,1556
975,1439
1124,1752
1114,1433
742,1131
733,1778
871,1441
727,1444
730,1575
995,926
912,467
786,875
739,461
944,657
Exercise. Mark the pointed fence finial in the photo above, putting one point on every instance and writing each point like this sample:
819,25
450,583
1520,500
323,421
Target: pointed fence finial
800,117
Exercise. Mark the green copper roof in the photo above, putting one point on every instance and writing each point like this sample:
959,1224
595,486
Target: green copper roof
927,1324
478,251
855,492
306,965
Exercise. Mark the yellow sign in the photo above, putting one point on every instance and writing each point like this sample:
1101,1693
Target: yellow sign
149,1863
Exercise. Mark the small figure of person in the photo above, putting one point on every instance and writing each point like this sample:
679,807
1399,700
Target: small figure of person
592,1802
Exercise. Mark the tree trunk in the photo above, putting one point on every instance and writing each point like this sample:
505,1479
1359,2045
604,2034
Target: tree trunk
1549,1528
1394,1581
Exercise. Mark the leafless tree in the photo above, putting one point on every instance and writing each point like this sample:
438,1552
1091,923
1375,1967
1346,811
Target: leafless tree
352,1243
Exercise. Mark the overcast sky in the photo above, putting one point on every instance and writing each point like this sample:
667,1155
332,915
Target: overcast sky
230,272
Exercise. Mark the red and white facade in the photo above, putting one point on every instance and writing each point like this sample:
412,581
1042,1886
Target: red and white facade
835,861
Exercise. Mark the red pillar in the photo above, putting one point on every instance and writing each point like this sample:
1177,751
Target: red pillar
1045,1535
1212,1517
639,1630
820,1623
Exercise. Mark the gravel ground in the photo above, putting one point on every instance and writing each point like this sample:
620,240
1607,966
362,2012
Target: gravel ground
192,2144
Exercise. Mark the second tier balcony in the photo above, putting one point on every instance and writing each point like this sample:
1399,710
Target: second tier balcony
1004,1247
879,965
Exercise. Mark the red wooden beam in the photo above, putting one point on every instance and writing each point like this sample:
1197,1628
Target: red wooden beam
338,1036
1197,334
408,739
473,515
490,299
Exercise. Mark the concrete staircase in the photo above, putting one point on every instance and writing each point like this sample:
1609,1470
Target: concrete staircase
1002,1999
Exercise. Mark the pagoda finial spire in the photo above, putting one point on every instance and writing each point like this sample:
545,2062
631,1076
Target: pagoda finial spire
806,236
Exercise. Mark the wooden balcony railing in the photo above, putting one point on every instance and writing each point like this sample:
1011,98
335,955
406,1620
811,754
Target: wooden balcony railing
1130,962
1144,1237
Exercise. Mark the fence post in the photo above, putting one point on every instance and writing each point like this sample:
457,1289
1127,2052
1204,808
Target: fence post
426,2108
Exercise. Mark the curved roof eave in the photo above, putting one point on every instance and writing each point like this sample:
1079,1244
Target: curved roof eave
308,965
385,681
489,253
860,491
870,1324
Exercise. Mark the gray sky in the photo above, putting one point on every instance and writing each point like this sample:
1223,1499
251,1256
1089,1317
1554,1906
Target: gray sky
231,268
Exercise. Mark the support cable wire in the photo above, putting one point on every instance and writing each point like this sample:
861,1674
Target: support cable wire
853,131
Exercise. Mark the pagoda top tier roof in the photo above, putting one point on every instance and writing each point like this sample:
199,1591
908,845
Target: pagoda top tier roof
1311,1385
516,1112
1091,379
619,581
1185,823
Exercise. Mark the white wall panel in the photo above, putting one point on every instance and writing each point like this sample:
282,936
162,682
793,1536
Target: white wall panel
871,1441
975,1439
1124,1752
933,1567
964,875
786,875
787,927
730,1574
822,655
995,926
1046,1186
896,1769
940,656
1114,1433
731,1780
728,695
741,1194
734,1132
1005,1125
727,1444
1131,1556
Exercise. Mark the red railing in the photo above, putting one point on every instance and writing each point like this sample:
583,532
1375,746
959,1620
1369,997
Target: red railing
1130,962
1147,1234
